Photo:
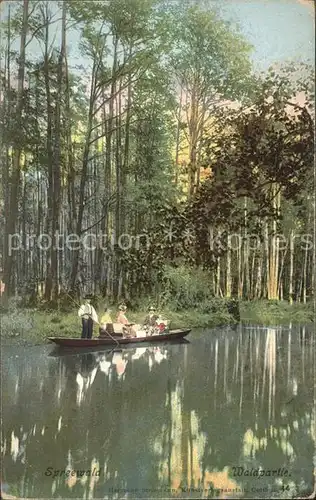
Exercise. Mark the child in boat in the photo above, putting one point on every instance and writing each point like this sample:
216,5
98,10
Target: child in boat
161,325
88,316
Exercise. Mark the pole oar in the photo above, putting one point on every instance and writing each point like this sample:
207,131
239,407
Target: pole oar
74,301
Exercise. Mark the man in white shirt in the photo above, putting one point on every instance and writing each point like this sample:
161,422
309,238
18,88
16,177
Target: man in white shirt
88,316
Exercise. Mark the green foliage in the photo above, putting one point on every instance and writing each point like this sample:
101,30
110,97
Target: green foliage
274,312
210,54
120,128
186,288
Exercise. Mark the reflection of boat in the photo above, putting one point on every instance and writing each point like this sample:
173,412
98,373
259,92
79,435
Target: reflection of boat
70,351
82,343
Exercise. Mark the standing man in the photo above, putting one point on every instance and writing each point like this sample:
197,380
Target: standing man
88,316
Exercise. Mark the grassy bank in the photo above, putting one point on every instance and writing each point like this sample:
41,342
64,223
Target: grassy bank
31,326
272,312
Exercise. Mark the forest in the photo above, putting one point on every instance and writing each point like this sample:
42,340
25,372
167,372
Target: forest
143,156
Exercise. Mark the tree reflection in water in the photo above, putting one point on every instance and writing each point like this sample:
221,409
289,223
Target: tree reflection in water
166,418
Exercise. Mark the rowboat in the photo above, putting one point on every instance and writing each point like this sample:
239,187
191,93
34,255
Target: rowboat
78,342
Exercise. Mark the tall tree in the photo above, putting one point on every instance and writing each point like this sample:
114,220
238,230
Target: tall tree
211,64
14,182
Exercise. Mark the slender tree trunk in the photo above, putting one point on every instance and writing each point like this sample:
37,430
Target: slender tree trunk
274,256
98,277
23,278
304,274
228,269
109,124
16,164
252,275
56,162
126,148
49,146
291,267
240,268
71,176
313,268
218,277
118,164
246,253
193,126
281,273
119,190
124,220
83,181
6,169
267,256
258,290
178,138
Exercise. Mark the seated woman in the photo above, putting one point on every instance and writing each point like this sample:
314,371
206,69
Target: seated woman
129,329
106,324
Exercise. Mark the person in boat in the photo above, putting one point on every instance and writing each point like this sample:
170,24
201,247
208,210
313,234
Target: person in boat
150,321
161,325
106,323
151,317
121,316
88,317
154,323
128,328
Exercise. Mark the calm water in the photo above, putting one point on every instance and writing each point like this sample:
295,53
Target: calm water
153,422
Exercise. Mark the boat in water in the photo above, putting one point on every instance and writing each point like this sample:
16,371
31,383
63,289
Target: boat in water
117,340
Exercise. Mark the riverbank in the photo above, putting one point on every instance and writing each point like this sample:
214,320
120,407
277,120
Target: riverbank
27,326
273,312
32,326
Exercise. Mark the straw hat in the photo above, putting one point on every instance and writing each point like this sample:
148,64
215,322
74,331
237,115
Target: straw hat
122,307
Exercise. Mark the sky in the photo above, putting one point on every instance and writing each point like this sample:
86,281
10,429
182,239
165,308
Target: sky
279,30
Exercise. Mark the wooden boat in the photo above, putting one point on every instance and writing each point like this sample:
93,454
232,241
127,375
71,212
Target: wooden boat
78,342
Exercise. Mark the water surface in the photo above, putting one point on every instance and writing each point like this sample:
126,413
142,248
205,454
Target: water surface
176,421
